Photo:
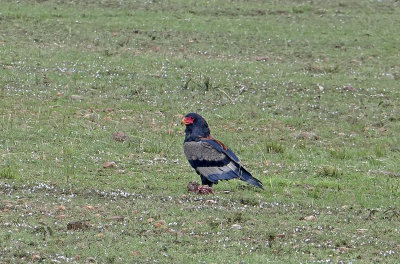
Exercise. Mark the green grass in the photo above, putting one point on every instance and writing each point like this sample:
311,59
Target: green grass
305,93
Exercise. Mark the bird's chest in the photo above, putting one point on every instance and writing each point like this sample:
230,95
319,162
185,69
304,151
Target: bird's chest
192,150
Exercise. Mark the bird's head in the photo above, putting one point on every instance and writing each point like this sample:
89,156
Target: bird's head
196,126
195,120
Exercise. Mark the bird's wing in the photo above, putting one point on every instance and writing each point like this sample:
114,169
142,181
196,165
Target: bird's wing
211,161
218,145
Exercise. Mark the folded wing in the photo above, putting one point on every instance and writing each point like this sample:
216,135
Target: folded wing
212,160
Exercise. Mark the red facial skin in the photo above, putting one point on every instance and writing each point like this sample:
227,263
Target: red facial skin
187,120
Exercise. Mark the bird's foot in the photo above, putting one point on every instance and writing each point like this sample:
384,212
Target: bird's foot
196,188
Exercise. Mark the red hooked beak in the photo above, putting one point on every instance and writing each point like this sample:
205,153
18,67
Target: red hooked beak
187,120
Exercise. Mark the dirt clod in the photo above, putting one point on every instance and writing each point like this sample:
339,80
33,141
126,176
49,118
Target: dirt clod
120,136
77,225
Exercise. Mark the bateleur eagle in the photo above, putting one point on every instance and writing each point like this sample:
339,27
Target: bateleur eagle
211,159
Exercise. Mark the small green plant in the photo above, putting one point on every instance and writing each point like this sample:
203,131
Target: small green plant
380,151
300,9
8,172
314,193
273,147
341,154
236,217
329,171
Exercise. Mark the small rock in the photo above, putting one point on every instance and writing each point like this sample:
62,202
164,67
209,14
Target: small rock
349,88
236,226
343,249
90,259
108,164
308,218
76,97
61,216
309,187
262,59
88,207
382,129
60,208
91,116
160,224
116,218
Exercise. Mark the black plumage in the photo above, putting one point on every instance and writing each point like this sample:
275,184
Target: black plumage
211,159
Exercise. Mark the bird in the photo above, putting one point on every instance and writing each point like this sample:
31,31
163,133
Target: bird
210,158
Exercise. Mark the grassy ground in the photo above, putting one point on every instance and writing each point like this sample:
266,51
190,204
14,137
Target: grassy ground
305,93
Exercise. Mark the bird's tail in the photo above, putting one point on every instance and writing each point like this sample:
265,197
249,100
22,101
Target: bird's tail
246,176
